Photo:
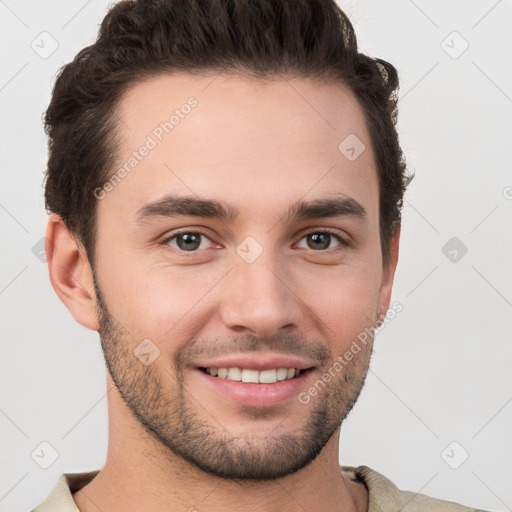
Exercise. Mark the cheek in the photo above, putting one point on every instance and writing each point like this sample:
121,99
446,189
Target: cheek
159,302
346,302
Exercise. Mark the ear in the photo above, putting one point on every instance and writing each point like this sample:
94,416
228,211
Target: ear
70,273
389,272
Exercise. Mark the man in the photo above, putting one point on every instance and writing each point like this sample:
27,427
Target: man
225,182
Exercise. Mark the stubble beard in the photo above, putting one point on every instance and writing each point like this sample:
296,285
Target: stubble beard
173,417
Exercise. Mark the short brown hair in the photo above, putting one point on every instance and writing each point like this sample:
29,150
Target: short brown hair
259,38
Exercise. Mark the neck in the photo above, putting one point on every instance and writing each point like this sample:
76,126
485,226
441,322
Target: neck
141,474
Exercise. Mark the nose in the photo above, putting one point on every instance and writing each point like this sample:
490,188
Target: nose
259,299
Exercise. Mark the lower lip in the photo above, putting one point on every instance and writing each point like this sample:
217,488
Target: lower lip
257,395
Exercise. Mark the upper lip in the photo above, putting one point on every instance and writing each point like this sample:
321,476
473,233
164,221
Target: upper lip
252,362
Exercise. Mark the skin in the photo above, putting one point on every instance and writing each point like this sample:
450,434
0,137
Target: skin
259,147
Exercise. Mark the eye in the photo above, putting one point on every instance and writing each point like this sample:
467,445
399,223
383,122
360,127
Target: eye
321,240
188,241
193,241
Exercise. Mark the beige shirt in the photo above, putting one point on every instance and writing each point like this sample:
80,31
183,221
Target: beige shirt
383,495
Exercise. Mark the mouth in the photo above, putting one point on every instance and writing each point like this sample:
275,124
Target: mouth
256,388
251,376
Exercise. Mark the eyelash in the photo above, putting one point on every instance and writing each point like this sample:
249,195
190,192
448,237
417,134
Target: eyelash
327,231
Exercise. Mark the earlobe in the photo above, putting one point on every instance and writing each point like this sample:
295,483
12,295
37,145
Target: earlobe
70,273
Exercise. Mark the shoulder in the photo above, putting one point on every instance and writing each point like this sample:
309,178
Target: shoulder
385,496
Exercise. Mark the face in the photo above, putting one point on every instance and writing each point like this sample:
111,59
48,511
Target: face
241,238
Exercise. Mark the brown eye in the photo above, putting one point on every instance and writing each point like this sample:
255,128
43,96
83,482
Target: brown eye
322,240
187,241
319,241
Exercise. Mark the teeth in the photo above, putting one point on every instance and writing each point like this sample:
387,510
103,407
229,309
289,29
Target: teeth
254,376
250,376
281,374
234,374
268,376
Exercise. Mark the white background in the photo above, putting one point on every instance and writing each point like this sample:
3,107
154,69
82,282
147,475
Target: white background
442,368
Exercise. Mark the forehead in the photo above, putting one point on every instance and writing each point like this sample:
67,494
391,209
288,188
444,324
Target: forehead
242,140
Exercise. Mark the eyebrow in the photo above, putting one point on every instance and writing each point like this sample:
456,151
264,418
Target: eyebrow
174,206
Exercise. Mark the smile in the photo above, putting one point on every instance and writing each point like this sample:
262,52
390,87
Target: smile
269,376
